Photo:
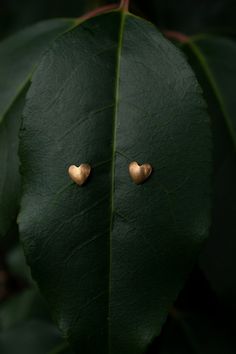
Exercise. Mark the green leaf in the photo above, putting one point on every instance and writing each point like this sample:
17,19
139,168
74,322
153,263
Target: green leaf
111,256
35,337
213,60
16,263
62,349
216,57
24,306
19,56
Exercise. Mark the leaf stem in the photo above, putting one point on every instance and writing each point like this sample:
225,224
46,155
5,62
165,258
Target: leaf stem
124,5
97,12
177,36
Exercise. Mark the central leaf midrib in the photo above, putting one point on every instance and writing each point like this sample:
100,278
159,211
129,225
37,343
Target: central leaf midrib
115,118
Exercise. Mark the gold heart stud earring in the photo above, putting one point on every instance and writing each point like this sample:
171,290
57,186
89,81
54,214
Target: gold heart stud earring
139,173
79,174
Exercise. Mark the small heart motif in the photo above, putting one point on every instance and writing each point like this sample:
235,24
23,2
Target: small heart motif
139,173
79,174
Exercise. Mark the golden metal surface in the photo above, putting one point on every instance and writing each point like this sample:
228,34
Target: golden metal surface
139,173
79,174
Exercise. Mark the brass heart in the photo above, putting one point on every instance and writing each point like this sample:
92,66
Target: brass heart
79,174
139,173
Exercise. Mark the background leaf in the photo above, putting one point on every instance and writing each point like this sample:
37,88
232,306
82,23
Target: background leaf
35,337
213,60
210,53
18,58
111,256
24,316
25,306
26,303
15,15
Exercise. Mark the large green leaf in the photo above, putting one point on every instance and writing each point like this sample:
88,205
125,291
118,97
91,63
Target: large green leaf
18,58
111,256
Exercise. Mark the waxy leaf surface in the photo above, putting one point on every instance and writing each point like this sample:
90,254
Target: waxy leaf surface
111,256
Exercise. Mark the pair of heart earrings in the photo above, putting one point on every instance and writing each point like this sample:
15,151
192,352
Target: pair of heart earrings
138,173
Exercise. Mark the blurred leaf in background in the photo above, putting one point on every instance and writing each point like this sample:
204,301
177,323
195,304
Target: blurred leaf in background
15,14
213,59
25,323
18,14
35,337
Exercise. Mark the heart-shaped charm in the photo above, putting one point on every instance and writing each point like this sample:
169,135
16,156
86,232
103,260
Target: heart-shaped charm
139,173
79,174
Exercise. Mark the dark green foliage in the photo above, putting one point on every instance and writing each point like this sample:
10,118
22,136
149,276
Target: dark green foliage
207,55
15,15
110,257
31,337
18,58
106,102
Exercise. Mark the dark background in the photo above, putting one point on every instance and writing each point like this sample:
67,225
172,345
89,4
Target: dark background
189,16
